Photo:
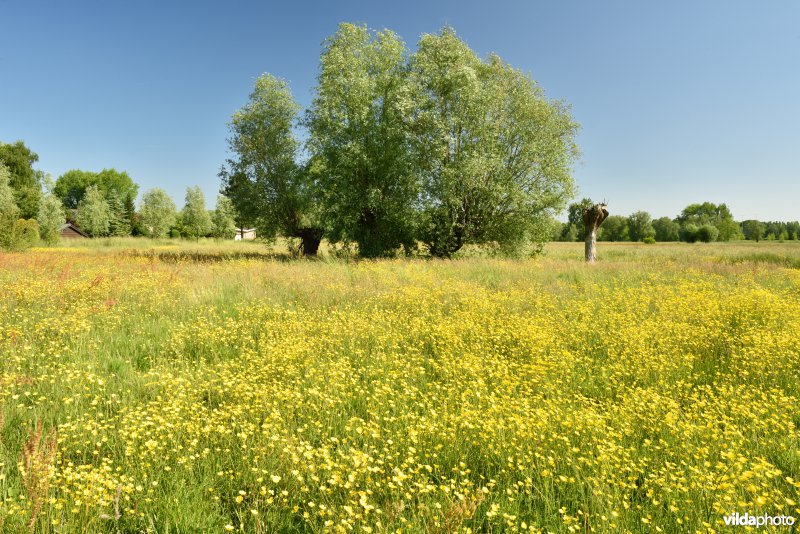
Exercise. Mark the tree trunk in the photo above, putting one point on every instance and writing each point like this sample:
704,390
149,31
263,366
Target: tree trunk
310,239
593,217
590,248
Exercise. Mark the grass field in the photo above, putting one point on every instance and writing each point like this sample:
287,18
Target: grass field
149,386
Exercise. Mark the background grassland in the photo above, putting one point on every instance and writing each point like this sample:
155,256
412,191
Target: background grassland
203,387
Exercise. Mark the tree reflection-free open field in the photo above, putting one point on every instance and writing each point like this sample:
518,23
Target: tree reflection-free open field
203,387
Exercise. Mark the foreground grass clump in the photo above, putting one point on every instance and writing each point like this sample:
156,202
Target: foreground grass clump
164,391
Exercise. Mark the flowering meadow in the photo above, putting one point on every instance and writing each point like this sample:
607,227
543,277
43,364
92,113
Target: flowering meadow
203,388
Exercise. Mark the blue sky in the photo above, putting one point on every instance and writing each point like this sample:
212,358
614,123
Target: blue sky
679,102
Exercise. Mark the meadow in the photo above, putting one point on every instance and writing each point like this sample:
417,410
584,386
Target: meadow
199,387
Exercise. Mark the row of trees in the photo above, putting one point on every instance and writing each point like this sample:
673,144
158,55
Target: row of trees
436,147
772,230
103,205
100,203
704,222
100,215
160,218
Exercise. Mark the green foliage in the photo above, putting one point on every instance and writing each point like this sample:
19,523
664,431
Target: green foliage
178,230
551,229
19,234
359,140
50,216
775,229
439,147
793,229
15,232
94,214
614,228
728,229
27,233
709,213
707,233
7,202
649,240
640,226
8,229
223,224
575,229
569,232
194,217
246,198
119,222
71,186
689,232
702,213
158,213
494,154
753,230
23,179
267,187
666,229
129,209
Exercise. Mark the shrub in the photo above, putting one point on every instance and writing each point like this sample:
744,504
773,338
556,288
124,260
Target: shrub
707,233
649,240
18,234
689,233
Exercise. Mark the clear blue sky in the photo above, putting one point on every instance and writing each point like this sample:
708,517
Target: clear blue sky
679,102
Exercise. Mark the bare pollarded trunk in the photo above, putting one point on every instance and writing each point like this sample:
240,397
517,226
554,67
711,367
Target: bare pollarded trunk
593,217
590,246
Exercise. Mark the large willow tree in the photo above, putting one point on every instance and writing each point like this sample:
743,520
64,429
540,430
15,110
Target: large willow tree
493,153
359,140
438,147
263,179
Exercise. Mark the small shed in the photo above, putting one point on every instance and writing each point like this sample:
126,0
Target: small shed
71,231
245,234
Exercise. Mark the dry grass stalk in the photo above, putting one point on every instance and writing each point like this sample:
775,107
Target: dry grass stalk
461,511
2,426
38,459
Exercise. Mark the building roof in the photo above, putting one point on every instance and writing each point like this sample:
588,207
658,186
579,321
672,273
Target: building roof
73,227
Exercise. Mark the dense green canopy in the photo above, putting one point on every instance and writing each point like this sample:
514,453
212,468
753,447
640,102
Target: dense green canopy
71,186
267,185
24,181
438,147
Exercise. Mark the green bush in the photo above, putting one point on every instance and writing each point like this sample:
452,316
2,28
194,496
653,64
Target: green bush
19,234
689,233
649,240
707,233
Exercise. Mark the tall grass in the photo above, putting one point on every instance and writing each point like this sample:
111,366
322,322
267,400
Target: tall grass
201,386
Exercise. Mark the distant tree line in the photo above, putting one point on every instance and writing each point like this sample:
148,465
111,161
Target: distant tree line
771,231
102,215
103,204
33,207
706,222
